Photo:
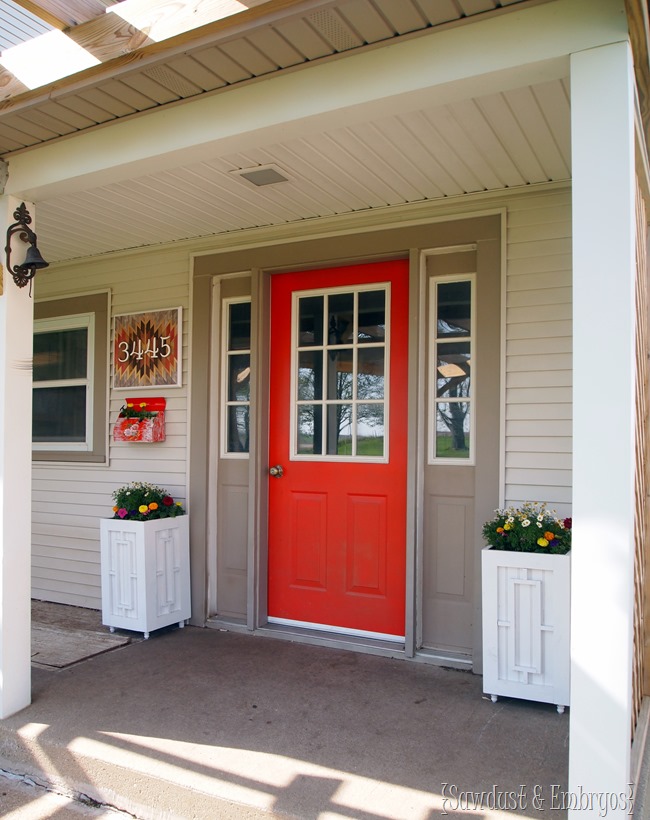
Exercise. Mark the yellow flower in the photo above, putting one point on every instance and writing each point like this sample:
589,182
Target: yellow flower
507,526
542,542
143,404
143,508
129,404
153,506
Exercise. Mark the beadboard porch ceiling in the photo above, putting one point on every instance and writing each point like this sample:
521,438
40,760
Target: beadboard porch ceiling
513,138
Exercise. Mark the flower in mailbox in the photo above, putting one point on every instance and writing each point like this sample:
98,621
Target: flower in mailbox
141,420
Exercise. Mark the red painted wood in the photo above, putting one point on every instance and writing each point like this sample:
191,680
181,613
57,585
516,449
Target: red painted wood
337,531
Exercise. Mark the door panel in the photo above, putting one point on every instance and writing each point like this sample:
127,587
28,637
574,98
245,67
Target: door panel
337,514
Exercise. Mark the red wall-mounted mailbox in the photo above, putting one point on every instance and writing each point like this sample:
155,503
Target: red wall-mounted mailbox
141,420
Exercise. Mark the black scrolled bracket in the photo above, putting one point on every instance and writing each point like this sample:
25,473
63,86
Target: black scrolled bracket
24,273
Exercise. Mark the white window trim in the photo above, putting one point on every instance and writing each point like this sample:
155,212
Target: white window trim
72,322
225,353
433,358
293,432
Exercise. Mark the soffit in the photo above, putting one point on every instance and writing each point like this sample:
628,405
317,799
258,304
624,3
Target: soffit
512,139
175,51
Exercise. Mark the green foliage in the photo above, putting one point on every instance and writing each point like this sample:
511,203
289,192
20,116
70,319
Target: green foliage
529,529
141,501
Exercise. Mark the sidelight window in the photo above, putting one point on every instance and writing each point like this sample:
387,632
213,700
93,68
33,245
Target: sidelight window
451,407
236,376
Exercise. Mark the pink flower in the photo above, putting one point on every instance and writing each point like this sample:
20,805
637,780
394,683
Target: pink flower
122,512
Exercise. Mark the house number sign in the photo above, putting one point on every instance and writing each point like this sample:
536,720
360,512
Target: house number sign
147,349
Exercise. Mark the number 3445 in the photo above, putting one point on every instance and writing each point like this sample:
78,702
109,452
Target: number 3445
157,347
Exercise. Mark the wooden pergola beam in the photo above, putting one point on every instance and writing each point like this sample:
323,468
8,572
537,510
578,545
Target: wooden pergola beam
63,14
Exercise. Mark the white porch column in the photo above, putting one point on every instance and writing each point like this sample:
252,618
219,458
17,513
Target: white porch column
16,332
602,124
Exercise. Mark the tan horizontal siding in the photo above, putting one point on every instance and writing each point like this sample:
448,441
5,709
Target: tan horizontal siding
539,366
70,499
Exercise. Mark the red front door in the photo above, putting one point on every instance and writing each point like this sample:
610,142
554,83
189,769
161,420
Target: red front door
338,416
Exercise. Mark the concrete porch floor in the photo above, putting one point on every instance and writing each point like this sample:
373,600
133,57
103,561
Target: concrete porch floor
199,723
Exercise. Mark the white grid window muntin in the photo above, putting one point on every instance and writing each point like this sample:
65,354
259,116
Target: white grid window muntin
235,383
61,324
458,350
357,407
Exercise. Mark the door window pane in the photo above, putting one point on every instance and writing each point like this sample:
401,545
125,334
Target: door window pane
372,316
310,321
370,429
340,318
310,426
341,380
370,373
339,429
310,375
340,377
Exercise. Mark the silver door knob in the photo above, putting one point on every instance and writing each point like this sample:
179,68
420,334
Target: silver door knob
277,471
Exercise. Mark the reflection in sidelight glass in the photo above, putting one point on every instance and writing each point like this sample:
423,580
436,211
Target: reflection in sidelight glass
453,430
454,301
237,375
451,363
237,428
453,370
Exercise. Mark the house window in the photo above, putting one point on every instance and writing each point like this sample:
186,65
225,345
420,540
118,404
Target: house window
236,370
62,397
69,396
451,406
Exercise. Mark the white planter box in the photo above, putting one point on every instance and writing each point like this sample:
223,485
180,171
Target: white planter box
526,625
145,573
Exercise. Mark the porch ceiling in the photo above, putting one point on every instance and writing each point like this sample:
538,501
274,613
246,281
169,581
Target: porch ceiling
505,140
489,142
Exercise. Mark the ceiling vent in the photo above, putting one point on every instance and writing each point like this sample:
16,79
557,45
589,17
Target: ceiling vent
262,175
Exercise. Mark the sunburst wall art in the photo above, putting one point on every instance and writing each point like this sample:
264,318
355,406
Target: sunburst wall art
147,349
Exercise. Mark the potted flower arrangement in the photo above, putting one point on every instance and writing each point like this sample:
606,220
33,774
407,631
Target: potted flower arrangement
526,604
531,528
145,560
140,501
